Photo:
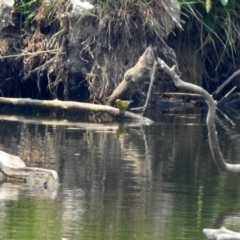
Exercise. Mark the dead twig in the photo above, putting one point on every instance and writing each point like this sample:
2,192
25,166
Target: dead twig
150,87
181,94
222,99
220,88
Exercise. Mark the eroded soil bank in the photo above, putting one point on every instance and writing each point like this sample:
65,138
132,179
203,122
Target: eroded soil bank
59,52
83,57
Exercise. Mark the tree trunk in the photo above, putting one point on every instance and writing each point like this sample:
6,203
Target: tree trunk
134,77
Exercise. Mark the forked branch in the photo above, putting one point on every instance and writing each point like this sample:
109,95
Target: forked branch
212,134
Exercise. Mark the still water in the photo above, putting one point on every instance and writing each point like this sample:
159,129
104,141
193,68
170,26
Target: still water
121,181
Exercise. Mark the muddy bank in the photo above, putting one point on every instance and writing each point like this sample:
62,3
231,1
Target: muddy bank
83,57
59,51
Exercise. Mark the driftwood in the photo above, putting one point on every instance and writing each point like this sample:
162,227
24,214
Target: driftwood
221,234
73,105
212,133
13,169
134,77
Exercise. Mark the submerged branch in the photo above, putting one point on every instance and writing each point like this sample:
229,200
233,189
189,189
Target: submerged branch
73,105
212,134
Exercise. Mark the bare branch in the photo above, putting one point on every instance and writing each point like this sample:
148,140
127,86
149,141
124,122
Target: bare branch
150,87
212,134
220,88
227,95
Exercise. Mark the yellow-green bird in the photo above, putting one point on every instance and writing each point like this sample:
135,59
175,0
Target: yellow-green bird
123,104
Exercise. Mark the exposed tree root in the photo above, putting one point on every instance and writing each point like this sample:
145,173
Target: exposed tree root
89,52
111,46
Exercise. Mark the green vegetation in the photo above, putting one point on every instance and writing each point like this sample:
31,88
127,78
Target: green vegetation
39,10
28,9
214,26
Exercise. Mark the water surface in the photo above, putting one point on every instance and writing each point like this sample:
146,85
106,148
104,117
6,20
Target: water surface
121,181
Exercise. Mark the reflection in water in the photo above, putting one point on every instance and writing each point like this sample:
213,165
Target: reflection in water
9,191
119,181
72,211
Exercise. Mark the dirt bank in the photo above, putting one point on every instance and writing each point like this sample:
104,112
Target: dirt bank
83,57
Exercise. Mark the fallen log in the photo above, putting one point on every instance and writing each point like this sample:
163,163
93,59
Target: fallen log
221,234
13,169
73,105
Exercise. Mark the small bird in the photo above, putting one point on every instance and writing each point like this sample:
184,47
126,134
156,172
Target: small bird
122,105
